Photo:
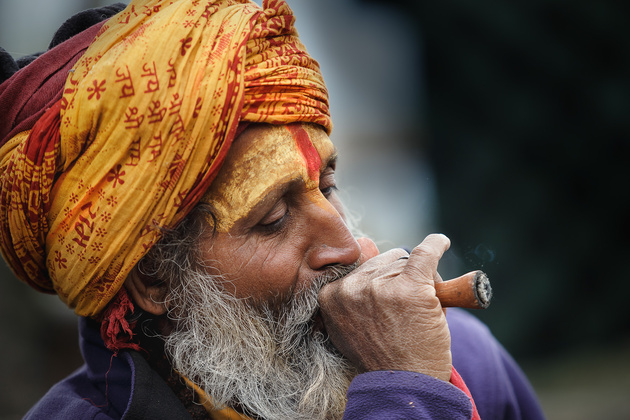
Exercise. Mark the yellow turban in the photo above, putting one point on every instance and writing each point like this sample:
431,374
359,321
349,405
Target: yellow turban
144,122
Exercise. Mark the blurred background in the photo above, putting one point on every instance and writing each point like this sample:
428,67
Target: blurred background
501,124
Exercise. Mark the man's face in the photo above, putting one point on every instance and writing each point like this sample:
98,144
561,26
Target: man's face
245,322
279,221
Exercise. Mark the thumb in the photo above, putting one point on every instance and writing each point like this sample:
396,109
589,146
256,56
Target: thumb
424,259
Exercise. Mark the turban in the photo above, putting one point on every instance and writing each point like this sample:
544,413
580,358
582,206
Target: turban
117,132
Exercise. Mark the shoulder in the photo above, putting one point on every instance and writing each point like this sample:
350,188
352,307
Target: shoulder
497,384
476,353
110,387
404,395
70,399
460,319
100,389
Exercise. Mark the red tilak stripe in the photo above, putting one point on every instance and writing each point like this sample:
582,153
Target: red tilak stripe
305,145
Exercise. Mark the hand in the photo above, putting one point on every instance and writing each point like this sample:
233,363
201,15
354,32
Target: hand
385,315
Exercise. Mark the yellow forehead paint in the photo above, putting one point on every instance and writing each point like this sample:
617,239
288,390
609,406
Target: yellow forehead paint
272,156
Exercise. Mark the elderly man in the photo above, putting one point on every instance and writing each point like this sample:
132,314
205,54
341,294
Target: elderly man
167,171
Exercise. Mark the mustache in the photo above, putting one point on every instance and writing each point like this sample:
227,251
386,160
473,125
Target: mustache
304,304
307,294
334,273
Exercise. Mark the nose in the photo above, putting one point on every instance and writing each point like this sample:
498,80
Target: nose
331,240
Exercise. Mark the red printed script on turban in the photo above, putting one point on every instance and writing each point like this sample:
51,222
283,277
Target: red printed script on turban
139,132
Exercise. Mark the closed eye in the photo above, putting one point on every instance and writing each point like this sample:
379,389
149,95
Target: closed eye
275,220
328,190
327,182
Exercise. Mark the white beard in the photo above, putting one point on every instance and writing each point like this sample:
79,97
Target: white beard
271,364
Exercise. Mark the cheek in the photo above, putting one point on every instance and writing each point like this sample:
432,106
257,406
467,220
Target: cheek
260,269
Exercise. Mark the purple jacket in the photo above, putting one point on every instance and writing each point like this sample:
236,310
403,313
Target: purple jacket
130,389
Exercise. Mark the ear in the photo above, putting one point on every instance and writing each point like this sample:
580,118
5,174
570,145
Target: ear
146,294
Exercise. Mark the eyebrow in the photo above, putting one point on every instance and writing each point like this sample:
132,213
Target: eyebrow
332,160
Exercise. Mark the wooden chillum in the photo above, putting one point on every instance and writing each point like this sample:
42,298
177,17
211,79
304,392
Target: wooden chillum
472,290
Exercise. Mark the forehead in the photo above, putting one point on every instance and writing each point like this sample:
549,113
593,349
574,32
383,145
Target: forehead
264,158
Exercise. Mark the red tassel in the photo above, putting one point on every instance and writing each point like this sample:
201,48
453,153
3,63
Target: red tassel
116,331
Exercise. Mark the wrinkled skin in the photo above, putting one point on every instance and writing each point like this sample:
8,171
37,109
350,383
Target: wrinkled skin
294,225
385,314
281,226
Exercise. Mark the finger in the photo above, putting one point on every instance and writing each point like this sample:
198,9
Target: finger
380,261
437,278
379,266
396,254
424,259
388,265
368,249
